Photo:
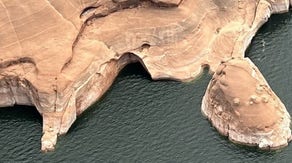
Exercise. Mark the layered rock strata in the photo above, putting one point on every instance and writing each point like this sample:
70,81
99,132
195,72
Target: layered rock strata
61,56
241,105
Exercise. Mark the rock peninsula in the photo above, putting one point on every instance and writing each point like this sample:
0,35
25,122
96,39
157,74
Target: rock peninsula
241,105
62,55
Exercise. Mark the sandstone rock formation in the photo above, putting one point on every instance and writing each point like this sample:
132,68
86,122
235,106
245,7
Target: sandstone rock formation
241,105
62,55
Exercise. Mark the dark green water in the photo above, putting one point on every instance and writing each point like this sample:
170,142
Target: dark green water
140,120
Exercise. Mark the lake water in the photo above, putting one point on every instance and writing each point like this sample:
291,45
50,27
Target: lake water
140,120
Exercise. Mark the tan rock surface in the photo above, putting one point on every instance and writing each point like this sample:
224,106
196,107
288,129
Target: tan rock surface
241,105
62,55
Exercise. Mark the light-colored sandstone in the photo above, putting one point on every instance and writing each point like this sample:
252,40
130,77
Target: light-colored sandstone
264,123
62,55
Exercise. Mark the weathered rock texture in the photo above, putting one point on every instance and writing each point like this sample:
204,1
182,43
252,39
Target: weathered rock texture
62,55
241,105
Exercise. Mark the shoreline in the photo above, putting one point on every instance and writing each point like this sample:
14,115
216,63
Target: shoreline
76,80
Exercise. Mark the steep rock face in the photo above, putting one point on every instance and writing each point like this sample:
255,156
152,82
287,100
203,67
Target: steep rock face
241,105
61,56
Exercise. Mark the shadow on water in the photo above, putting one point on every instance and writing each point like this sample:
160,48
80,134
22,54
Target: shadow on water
130,71
139,120
19,113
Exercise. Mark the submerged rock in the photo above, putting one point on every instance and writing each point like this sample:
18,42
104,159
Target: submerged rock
241,105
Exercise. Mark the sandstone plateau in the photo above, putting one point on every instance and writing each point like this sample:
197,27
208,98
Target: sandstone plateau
62,55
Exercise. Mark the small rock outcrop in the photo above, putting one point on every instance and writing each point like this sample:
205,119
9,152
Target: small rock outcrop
241,105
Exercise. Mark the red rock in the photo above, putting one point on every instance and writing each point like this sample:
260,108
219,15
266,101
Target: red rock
61,56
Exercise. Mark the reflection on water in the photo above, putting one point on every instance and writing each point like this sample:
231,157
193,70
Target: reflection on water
140,120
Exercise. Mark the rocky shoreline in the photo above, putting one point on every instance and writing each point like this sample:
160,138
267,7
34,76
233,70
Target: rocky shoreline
64,63
241,105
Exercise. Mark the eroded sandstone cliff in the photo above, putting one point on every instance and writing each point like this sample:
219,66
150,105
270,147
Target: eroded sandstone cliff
241,105
61,56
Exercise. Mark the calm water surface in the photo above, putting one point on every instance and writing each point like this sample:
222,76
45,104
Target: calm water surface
140,120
